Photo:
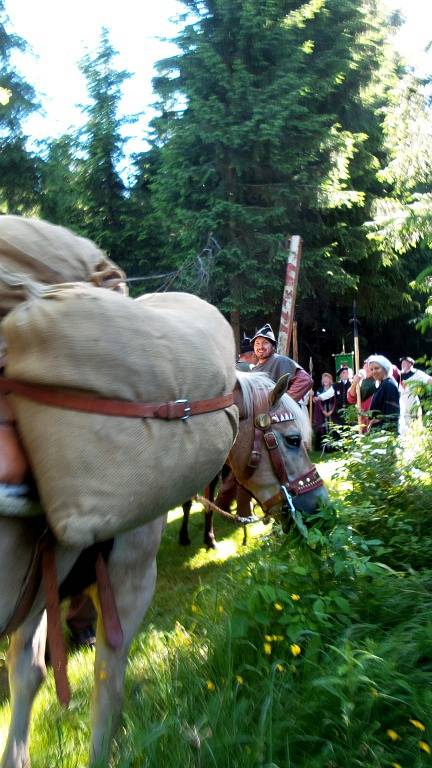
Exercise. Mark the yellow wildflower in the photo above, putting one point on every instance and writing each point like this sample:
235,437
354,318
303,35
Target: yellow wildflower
194,608
267,648
295,649
280,668
277,638
295,597
392,734
396,765
5,96
268,638
417,724
425,747
278,606
210,686
221,609
239,679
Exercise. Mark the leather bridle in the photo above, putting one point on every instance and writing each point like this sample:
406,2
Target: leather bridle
264,434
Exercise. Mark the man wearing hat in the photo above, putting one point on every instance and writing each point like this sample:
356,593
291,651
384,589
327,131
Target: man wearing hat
341,391
264,346
409,400
246,359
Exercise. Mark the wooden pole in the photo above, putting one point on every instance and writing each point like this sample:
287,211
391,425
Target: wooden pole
294,341
311,395
354,322
289,294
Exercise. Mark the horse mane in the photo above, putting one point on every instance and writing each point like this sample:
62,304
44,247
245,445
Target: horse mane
251,383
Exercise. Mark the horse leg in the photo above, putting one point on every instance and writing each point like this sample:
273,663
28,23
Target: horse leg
132,570
26,662
184,539
209,536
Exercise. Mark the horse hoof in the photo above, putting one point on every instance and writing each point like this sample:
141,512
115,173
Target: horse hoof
211,544
184,542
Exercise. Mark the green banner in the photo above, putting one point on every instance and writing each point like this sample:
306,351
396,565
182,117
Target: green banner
344,358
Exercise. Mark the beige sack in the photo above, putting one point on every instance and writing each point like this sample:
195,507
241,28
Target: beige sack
100,475
48,254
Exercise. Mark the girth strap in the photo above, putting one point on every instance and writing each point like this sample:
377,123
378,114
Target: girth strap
59,398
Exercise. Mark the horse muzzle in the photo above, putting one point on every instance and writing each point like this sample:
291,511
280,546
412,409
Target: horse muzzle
304,494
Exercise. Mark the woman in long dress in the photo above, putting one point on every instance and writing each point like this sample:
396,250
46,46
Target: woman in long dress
385,408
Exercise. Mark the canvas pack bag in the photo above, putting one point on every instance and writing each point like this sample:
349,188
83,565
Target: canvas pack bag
48,254
98,475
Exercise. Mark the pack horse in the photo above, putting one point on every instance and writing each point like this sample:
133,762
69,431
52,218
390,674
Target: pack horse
123,408
270,425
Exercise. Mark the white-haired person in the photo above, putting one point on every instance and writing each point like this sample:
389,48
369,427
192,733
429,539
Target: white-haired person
384,406
410,402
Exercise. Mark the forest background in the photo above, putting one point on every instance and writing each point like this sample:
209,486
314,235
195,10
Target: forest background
275,117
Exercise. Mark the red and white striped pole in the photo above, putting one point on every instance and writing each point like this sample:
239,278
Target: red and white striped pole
289,294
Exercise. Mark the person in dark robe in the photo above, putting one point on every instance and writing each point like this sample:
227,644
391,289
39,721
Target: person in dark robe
324,407
341,392
246,359
384,407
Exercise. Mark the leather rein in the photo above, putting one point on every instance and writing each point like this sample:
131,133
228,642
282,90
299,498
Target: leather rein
263,433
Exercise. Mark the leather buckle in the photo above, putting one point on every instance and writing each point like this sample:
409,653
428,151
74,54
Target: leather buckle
186,409
271,441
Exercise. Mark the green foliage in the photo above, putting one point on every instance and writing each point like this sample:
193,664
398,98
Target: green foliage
396,509
256,138
19,179
60,199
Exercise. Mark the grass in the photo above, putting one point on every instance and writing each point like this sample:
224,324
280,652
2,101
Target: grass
277,654
182,571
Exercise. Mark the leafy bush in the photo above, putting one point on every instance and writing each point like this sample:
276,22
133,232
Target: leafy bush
387,493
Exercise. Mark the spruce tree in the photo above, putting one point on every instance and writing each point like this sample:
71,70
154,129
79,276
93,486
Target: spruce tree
19,180
261,116
102,191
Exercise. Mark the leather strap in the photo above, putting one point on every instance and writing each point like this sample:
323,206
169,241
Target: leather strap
255,454
266,506
110,617
55,634
172,409
306,482
272,444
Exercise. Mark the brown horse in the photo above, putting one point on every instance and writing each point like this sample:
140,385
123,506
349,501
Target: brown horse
268,457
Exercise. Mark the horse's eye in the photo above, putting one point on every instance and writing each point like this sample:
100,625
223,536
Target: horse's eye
292,441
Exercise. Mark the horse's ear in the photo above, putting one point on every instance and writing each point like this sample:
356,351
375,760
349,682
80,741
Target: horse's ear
279,389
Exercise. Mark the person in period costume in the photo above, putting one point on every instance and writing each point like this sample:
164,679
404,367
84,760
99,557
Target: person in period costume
341,392
384,407
410,405
324,407
275,365
246,359
367,390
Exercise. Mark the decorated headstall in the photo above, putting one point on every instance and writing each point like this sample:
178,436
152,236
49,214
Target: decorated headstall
263,423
